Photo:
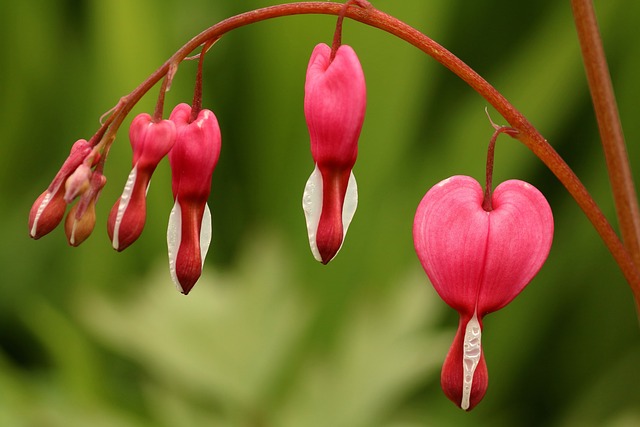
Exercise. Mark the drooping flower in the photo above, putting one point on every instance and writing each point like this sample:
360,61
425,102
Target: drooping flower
49,208
151,141
192,159
334,107
478,261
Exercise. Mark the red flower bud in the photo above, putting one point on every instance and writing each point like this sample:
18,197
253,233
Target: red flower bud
48,209
150,141
81,219
77,183
46,213
192,159
478,261
334,107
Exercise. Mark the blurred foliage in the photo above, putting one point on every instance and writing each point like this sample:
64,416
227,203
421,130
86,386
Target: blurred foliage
269,337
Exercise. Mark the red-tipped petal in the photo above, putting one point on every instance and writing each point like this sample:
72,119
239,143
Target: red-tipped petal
464,378
188,239
328,211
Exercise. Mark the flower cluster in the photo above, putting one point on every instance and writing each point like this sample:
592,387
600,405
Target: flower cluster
334,105
193,148
75,178
478,248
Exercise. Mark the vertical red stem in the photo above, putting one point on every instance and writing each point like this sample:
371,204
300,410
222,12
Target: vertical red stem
604,102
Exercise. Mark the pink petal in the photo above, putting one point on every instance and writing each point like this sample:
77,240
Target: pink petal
195,153
150,141
450,234
479,259
519,242
334,105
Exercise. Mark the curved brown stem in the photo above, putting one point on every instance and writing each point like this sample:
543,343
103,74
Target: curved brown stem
527,133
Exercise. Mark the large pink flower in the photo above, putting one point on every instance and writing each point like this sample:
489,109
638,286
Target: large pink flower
334,107
478,261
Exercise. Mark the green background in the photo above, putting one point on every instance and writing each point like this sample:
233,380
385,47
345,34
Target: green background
269,337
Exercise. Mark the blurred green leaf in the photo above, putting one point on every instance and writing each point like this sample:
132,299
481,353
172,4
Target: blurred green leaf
235,339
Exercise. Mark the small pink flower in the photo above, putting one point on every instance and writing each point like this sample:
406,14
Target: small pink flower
478,261
48,209
334,107
192,159
150,141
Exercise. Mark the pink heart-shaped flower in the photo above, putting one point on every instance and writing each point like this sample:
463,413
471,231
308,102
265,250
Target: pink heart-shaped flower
478,261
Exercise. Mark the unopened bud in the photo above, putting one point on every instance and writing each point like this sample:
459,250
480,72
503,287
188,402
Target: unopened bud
46,213
81,219
77,183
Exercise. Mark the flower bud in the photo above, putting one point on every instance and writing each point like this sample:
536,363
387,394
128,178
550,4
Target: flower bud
48,209
81,219
192,159
478,261
334,107
150,141
46,213
77,183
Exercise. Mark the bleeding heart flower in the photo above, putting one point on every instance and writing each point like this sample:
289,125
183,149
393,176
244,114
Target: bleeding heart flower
193,159
334,107
151,141
478,261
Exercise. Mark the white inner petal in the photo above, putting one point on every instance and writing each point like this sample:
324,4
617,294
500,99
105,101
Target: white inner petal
72,238
174,237
312,206
472,350
122,206
350,204
45,202
205,233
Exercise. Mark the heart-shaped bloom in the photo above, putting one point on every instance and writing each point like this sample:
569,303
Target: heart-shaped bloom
334,108
48,209
192,159
150,141
478,261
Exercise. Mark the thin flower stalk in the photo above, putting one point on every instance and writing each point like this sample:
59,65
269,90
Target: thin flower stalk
527,133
